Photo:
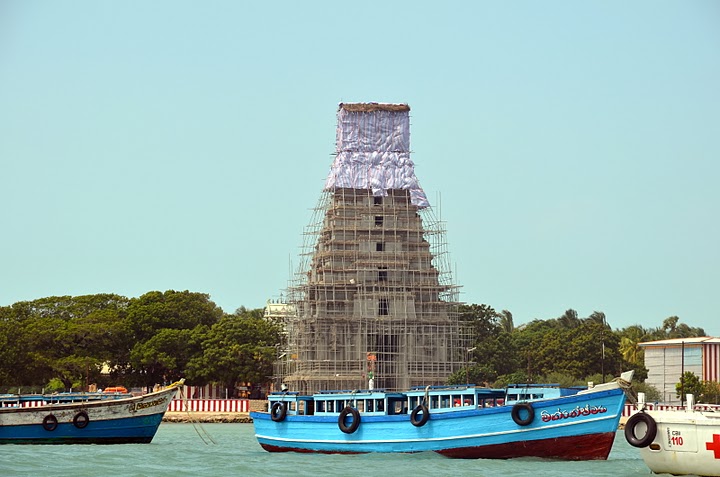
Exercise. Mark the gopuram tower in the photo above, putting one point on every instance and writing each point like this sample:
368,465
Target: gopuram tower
373,301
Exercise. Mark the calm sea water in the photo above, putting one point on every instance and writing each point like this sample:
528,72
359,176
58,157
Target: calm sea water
231,449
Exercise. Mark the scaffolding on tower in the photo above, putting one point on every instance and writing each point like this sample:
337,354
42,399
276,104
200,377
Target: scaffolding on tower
373,301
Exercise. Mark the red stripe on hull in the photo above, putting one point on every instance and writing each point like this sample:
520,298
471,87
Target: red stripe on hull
587,447
271,448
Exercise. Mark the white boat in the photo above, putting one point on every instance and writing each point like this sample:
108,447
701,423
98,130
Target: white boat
679,442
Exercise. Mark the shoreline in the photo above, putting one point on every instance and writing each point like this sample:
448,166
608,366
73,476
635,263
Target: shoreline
241,417
207,417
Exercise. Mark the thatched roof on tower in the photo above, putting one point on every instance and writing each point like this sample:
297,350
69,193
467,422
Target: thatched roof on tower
370,107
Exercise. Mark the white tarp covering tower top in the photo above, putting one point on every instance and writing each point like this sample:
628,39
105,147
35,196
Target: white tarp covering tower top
373,151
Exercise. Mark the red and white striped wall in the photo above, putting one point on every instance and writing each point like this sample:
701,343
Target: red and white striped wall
209,405
711,361
630,408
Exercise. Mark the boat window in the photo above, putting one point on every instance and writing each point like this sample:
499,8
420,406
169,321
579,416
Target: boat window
360,406
434,402
396,406
413,402
320,406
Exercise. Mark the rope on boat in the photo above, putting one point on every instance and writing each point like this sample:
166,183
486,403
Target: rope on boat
197,425
626,386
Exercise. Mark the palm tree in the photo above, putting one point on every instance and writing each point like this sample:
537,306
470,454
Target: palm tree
569,319
630,337
506,321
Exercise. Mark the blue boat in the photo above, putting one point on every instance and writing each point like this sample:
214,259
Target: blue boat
455,421
83,418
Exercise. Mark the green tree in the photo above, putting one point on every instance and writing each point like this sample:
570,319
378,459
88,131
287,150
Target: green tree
156,310
630,338
710,392
480,375
689,384
569,319
158,323
569,345
493,348
506,321
652,394
164,357
238,348
59,337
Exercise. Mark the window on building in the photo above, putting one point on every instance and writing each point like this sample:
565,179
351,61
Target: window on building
382,274
378,220
380,247
384,307
377,200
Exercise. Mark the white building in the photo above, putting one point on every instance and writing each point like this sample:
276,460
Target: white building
666,360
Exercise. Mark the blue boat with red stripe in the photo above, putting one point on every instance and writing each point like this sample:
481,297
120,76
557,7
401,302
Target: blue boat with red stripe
467,421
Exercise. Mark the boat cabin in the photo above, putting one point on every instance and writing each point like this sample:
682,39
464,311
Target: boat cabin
326,403
515,393
378,402
447,398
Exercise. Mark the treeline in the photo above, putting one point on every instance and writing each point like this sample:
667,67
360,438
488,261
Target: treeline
58,343
568,349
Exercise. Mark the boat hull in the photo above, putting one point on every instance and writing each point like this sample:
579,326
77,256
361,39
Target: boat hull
117,421
686,443
578,427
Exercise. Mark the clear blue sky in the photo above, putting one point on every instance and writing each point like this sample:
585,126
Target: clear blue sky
572,146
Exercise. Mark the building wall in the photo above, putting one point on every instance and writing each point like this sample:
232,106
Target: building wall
665,366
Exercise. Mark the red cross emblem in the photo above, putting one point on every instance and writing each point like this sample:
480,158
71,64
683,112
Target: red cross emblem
714,445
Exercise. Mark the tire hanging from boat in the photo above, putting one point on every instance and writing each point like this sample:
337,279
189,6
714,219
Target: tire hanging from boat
81,419
515,413
278,411
420,408
354,424
50,423
631,425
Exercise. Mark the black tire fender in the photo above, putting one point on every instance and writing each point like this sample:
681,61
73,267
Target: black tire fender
81,420
354,423
518,408
50,423
424,415
278,411
630,426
